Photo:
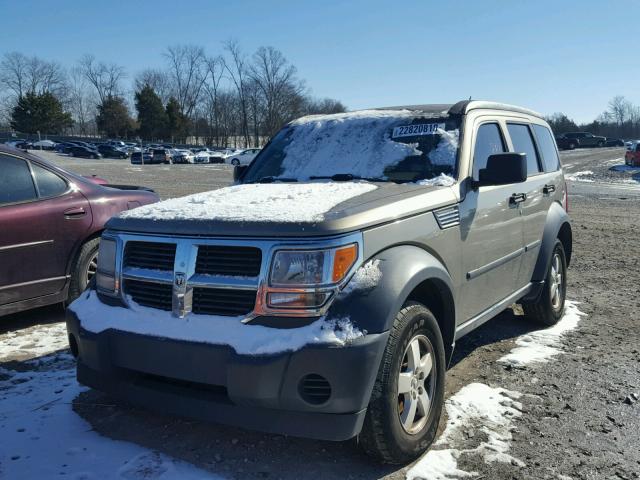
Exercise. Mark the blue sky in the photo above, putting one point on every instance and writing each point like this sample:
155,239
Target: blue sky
546,55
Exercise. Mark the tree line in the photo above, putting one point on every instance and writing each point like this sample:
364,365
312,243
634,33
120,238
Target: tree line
226,99
621,120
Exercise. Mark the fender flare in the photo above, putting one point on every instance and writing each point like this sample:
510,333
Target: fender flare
557,225
403,268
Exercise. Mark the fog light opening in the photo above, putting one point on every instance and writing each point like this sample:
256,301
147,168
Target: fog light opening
314,389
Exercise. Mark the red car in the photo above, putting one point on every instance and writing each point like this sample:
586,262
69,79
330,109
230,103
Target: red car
632,157
50,226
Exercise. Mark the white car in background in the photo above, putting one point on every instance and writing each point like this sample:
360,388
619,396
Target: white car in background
44,145
244,157
181,155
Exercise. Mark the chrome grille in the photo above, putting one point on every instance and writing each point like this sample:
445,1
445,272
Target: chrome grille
150,255
148,294
229,260
223,301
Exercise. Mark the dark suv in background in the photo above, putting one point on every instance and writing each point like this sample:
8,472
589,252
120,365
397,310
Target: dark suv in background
51,221
571,140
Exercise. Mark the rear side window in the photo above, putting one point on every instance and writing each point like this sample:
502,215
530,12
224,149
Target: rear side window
547,148
16,184
49,184
523,143
488,141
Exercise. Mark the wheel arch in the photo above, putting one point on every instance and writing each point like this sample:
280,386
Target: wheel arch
557,226
76,251
408,273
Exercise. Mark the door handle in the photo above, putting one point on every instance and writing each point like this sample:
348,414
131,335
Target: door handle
75,212
549,188
517,198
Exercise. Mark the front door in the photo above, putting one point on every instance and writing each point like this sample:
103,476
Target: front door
491,230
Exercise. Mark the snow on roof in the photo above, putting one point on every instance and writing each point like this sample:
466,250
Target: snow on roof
290,202
360,144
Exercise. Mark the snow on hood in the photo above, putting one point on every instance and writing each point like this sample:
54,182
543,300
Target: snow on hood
361,137
294,203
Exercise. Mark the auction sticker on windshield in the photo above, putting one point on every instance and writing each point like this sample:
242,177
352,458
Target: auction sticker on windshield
413,130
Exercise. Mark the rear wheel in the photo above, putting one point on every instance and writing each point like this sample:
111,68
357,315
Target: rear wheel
84,268
235,162
572,146
406,402
549,307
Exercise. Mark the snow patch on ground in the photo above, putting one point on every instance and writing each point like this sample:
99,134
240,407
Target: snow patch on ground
306,203
245,339
580,176
541,345
41,340
491,411
475,407
42,437
365,278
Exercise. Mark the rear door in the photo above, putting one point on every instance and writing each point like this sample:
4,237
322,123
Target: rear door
543,185
491,229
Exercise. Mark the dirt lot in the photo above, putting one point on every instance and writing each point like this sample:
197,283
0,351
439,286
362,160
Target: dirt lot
576,415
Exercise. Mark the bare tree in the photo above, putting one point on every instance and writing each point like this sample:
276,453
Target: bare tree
236,67
158,80
212,90
21,74
105,78
81,103
276,79
187,72
619,109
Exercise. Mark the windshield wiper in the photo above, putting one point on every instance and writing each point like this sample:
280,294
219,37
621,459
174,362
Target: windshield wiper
271,179
346,177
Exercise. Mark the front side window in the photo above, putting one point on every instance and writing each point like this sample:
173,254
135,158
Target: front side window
16,184
49,184
488,142
385,145
547,148
523,143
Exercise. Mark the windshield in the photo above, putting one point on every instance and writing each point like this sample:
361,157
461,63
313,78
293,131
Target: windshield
385,145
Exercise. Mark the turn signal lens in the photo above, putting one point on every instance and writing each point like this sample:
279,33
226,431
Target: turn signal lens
343,260
297,300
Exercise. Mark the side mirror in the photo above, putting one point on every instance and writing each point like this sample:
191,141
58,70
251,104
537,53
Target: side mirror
503,169
239,171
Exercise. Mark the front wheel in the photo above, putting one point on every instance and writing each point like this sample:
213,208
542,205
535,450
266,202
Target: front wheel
407,398
235,162
549,307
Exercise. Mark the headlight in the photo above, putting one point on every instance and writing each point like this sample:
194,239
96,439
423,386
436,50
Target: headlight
106,280
312,268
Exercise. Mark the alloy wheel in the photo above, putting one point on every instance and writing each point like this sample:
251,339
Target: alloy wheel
556,279
416,384
92,267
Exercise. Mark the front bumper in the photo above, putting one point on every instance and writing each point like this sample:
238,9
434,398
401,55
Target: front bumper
212,382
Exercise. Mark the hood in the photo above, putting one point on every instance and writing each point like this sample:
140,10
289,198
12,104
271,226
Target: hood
284,209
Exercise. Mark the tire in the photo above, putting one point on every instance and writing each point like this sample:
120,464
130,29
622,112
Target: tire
549,307
235,162
383,435
80,270
572,146
600,144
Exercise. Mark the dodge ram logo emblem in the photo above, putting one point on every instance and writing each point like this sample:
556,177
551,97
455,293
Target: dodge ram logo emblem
179,279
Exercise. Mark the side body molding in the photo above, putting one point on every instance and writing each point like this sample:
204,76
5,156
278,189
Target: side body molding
403,268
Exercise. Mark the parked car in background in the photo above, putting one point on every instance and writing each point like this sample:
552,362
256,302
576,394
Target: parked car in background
632,155
51,221
183,156
44,144
161,155
573,140
139,158
84,152
244,157
614,142
110,151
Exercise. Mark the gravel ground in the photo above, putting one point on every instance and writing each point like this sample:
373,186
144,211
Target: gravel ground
579,415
